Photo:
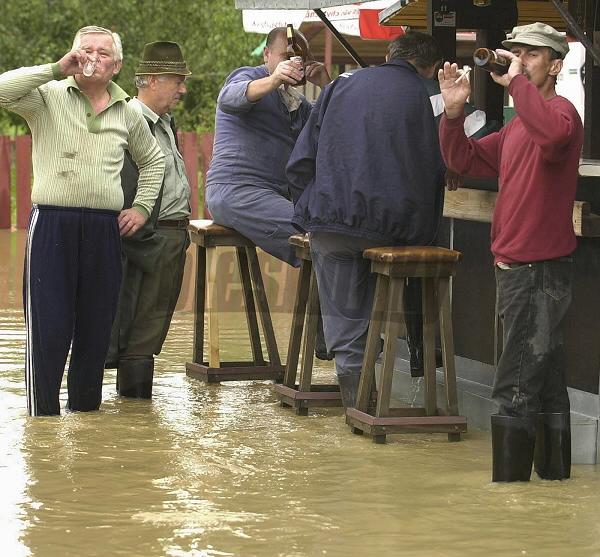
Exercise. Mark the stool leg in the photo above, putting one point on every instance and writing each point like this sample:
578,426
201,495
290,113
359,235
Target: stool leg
291,365
429,322
199,305
212,295
448,351
250,308
367,374
392,328
263,307
310,334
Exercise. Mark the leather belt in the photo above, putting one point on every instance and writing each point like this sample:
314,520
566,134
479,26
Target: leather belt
178,224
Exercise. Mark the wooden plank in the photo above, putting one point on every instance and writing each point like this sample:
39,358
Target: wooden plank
367,374
298,317
199,304
212,296
250,307
260,296
310,334
23,176
407,421
395,316
429,327
5,181
188,142
445,316
478,205
589,167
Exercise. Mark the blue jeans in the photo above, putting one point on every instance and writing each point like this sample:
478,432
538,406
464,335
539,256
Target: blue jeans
346,289
532,300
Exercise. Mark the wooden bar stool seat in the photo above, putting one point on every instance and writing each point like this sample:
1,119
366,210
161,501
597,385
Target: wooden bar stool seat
209,236
434,266
303,395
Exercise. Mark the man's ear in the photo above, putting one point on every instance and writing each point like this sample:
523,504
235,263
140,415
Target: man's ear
118,66
265,54
555,67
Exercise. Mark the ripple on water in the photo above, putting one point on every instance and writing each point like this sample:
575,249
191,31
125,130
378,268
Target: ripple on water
212,470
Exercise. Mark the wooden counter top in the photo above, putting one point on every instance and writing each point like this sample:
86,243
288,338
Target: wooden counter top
478,205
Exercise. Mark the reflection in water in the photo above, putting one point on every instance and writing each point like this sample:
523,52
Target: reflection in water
223,470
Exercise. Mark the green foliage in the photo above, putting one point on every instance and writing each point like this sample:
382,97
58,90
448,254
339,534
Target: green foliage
209,31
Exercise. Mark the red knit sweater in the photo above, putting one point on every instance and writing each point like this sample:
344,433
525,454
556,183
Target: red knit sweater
536,157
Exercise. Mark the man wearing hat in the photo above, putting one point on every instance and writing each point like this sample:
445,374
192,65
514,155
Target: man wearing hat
153,258
535,157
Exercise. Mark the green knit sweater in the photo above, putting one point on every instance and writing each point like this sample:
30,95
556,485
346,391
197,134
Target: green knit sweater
77,154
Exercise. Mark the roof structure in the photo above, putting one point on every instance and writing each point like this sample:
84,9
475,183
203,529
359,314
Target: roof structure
414,13
290,4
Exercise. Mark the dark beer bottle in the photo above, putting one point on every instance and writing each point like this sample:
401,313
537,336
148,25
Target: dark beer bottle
295,52
488,60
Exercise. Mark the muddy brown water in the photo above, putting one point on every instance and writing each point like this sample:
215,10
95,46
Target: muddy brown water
223,470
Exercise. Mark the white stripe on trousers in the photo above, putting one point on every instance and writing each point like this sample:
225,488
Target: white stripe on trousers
29,363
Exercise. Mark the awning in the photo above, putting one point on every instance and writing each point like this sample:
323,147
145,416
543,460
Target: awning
290,4
413,13
355,20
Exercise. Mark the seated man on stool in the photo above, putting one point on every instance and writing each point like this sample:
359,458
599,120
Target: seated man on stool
366,171
259,117
154,258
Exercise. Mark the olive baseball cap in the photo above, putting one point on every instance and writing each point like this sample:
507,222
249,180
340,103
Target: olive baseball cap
538,34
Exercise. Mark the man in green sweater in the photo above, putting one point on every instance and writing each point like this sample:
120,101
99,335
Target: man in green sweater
81,127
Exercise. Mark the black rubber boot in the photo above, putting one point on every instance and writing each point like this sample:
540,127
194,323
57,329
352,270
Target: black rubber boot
513,441
320,346
552,459
134,377
349,388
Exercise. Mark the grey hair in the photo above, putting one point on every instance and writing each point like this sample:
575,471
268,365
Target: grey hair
93,29
142,81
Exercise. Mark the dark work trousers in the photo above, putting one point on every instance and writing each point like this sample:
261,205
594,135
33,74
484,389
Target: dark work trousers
147,300
532,300
70,289
346,289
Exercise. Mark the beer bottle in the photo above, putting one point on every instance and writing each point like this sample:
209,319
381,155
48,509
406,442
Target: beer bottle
295,52
488,60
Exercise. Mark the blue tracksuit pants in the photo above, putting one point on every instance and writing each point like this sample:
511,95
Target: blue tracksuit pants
70,291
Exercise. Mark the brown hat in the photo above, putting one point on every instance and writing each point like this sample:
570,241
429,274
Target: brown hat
162,57
538,34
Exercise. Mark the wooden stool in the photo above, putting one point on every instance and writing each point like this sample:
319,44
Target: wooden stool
393,265
305,394
208,237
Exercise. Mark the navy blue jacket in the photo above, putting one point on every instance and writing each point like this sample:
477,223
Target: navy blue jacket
368,163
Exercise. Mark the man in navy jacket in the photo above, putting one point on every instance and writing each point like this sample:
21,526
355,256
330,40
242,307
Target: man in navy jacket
366,171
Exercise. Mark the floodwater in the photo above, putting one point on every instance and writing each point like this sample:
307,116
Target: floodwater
220,470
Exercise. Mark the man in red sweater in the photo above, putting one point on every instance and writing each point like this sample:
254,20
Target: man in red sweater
535,158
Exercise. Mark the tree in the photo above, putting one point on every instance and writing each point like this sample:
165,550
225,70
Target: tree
209,31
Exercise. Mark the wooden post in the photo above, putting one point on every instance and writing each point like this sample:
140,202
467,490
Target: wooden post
23,166
4,181
328,50
439,28
591,134
487,95
188,142
206,149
